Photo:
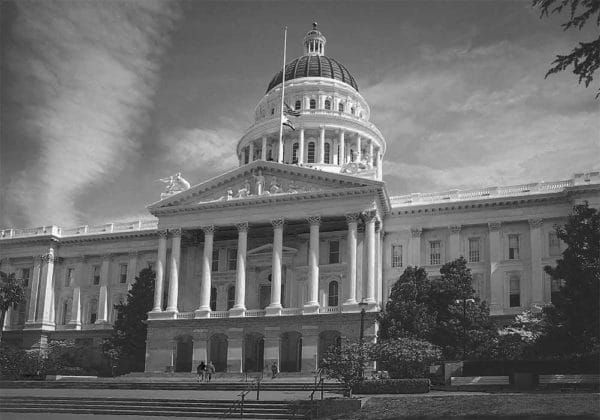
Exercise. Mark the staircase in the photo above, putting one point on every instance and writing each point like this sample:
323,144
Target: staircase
155,407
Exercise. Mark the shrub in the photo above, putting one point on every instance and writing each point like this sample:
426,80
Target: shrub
393,386
405,357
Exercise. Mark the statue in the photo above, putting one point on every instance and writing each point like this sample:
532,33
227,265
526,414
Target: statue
274,187
175,184
260,182
229,194
244,191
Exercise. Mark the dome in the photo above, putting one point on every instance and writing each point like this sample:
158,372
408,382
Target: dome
314,66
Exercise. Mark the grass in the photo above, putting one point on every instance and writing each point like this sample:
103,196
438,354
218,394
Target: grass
479,406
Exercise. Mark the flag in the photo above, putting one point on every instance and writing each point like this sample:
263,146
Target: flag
285,121
290,111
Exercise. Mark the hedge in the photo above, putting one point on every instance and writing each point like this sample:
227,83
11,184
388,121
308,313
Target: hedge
393,386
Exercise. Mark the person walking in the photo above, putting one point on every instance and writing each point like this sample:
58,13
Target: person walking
201,370
274,370
210,369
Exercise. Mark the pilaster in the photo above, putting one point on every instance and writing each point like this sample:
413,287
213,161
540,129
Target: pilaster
537,278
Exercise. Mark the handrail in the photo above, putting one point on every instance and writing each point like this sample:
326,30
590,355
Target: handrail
242,396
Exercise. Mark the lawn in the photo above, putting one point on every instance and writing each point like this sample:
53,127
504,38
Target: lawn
479,406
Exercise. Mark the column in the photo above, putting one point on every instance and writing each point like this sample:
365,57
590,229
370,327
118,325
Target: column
251,152
322,145
378,263
342,140
35,284
386,261
350,284
274,307
496,280
379,165
454,241
103,297
46,293
235,350
537,278
204,310
415,246
75,321
312,305
160,270
358,149
301,147
371,156
335,159
240,281
370,217
174,270
263,151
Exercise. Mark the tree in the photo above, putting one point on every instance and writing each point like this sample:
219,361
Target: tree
11,294
585,58
127,344
573,319
443,311
346,363
405,357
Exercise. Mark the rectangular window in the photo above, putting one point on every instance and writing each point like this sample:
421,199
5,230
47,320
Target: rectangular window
334,252
396,255
215,260
69,277
231,259
553,244
515,290
123,273
513,247
474,250
96,274
25,274
435,254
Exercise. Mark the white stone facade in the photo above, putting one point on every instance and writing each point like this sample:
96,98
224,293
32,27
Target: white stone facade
273,261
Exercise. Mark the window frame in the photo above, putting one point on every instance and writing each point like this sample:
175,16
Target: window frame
333,292
474,255
311,157
69,276
334,255
230,296
231,259
123,275
432,261
514,253
312,104
514,298
396,258
96,276
214,265
213,298
327,105
327,153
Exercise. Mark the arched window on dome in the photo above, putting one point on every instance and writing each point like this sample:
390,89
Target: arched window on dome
333,294
341,107
298,105
313,104
327,104
295,153
327,157
310,156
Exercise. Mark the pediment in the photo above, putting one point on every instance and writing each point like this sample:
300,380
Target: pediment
260,180
267,249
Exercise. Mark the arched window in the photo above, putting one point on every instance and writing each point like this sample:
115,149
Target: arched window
333,293
230,297
310,158
327,156
327,104
313,104
341,107
295,153
213,298
298,105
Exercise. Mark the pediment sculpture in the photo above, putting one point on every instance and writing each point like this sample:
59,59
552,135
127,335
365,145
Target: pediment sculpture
175,184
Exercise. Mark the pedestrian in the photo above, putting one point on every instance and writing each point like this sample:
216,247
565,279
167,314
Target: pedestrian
201,370
210,369
274,370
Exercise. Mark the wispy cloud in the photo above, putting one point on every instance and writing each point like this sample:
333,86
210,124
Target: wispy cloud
468,117
85,77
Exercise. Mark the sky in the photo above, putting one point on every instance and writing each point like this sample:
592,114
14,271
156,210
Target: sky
100,99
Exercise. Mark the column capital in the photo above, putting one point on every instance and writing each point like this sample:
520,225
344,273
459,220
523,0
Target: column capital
352,217
494,226
314,220
242,226
278,222
536,223
208,230
416,232
369,215
175,232
455,228
37,259
49,257
162,233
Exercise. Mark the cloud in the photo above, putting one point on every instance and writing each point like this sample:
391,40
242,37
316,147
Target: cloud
467,117
85,75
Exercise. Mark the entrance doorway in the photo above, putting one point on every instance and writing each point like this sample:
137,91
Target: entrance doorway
184,353
217,352
291,352
254,352
328,340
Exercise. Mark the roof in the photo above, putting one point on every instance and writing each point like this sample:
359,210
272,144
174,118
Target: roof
314,66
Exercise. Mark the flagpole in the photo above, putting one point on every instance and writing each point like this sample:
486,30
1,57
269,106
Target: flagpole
280,149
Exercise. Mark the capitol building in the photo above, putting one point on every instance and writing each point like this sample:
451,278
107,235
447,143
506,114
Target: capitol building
274,260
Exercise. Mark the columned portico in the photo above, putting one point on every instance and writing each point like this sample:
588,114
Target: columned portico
275,306
204,310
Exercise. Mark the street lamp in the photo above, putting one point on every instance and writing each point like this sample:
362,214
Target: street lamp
464,319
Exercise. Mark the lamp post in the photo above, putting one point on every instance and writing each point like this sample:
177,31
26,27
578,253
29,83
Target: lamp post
464,320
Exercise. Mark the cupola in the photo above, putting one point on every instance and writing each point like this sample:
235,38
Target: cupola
314,42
